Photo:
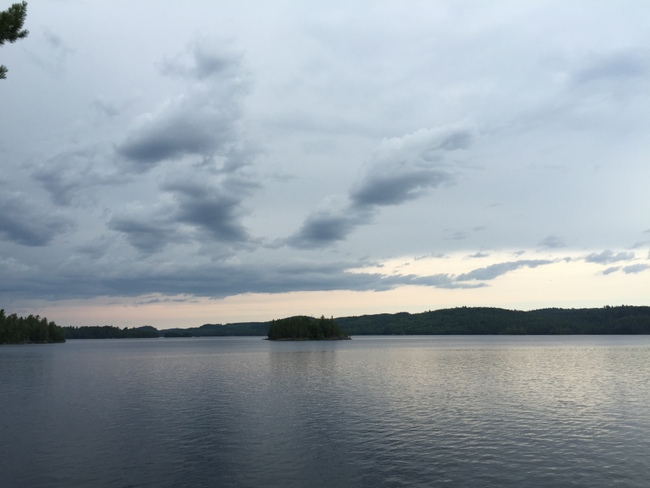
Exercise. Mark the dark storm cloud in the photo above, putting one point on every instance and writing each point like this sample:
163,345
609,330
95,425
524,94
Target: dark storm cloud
24,223
495,270
608,257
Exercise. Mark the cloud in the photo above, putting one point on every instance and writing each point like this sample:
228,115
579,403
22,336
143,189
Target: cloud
552,242
195,125
441,280
105,108
395,185
96,248
89,277
201,195
56,60
324,228
458,235
610,270
204,60
65,175
211,209
616,67
479,255
193,206
403,169
23,222
199,122
608,257
495,270
147,234
205,279
635,268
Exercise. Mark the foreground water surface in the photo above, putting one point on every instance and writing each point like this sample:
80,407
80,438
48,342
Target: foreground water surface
375,411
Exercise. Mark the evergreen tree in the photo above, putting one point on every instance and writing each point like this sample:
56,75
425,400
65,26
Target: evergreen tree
11,27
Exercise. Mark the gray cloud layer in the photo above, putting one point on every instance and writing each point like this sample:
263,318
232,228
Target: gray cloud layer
404,169
24,223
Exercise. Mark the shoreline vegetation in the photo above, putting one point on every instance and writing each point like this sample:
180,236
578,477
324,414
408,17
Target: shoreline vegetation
622,319
28,330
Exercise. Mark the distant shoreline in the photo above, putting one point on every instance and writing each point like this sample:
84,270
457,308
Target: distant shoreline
623,320
309,340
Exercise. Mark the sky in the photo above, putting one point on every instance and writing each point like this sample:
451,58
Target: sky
181,163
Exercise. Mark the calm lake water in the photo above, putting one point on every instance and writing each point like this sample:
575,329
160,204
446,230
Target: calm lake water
374,411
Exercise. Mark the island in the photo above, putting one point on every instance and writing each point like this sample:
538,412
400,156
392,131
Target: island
303,328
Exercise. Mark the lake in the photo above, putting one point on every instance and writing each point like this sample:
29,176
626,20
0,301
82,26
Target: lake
470,411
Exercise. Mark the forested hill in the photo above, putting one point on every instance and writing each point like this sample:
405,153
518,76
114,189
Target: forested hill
477,320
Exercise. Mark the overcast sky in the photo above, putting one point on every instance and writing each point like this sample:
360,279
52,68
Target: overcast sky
180,163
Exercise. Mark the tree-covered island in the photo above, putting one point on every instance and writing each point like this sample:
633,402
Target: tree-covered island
302,328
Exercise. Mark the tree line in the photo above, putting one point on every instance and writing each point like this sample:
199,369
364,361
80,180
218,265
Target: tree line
110,332
492,321
30,329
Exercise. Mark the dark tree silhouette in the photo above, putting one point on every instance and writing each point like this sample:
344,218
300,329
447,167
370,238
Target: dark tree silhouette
12,21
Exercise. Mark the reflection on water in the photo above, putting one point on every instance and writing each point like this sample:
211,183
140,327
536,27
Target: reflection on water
375,411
